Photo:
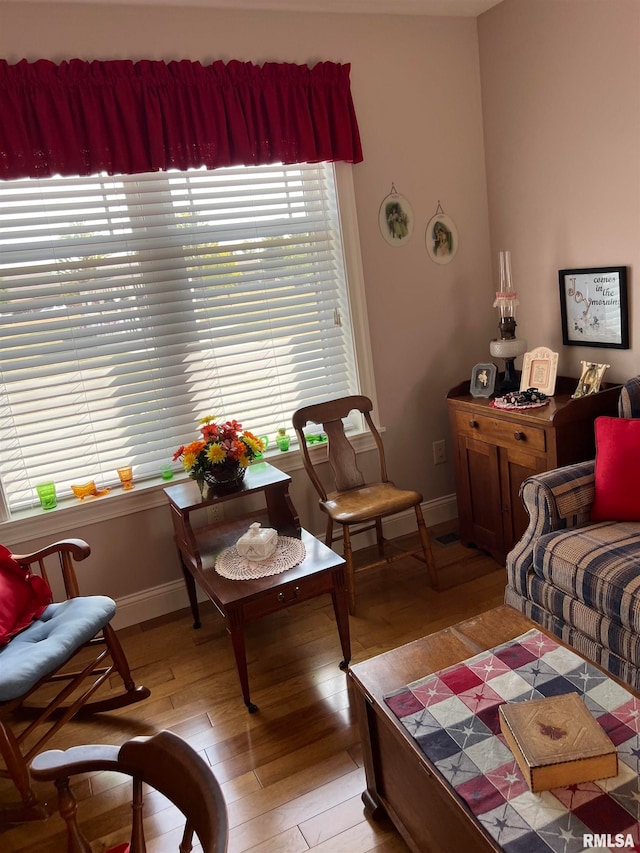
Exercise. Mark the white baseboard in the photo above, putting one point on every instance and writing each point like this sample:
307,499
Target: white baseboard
151,603
167,598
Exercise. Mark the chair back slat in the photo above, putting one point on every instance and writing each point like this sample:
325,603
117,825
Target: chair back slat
172,767
342,458
341,453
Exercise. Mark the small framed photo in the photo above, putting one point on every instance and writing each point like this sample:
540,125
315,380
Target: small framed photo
594,309
441,239
395,219
483,380
590,378
539,370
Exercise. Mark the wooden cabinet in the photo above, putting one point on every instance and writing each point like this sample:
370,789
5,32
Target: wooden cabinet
401,781
496,449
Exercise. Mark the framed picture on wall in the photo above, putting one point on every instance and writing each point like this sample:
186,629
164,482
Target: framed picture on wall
441,239
395,219
593,306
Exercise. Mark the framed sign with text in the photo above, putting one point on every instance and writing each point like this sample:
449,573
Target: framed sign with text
593,305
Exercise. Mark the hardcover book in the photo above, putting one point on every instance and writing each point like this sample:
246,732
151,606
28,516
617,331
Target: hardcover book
557,742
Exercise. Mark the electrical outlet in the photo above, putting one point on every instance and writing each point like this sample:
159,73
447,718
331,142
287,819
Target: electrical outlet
215,513
439,452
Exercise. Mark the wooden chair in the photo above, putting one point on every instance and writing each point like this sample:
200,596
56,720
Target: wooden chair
39,693
355,505
164,762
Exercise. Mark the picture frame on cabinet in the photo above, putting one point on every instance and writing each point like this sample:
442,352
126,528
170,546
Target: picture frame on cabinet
594,307
590,379
483,379
539,370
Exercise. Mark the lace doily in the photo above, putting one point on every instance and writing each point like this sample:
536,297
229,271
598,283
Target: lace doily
529,399
289,553
502,403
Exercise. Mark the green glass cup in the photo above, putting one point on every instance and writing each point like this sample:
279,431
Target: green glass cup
47,494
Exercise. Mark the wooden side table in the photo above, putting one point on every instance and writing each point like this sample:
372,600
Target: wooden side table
243,601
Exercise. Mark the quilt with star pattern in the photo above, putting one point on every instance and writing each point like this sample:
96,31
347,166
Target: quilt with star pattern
453,716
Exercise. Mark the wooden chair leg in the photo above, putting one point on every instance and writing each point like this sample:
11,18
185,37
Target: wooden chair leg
348,558
131,692
19,774
426,547
68,808
328,536
380,537
119,658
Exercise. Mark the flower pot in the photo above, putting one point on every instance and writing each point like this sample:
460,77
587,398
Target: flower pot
225,478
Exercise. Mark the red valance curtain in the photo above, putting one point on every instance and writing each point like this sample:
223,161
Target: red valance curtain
121,117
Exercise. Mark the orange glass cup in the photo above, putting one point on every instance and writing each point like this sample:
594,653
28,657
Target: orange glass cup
126,477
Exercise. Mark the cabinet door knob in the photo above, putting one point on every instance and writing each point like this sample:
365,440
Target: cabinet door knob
519,436
473,423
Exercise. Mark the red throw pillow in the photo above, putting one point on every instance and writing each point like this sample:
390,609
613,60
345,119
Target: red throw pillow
617,470
23,596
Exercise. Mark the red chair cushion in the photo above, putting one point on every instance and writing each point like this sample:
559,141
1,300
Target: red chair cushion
23,596
617,470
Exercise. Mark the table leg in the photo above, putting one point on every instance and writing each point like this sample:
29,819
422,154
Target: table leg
192,593
280,509
341,610
235,627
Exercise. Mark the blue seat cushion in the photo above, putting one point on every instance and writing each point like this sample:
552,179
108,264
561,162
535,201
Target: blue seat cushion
50,641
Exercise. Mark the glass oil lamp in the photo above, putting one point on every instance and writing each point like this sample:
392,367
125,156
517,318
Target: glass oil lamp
507,347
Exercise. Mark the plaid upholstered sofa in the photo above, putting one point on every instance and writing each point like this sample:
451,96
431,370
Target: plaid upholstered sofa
578,579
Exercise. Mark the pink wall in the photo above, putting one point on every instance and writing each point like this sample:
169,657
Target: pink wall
561,109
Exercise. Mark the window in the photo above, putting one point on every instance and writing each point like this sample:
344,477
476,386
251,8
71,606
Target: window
131,306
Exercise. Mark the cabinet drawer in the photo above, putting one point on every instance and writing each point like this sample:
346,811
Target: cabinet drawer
287,595
499,432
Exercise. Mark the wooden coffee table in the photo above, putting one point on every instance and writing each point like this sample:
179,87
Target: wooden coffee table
400,779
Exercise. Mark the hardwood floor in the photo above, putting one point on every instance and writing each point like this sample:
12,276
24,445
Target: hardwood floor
291,774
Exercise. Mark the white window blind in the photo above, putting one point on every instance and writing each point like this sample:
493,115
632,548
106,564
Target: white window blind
132,306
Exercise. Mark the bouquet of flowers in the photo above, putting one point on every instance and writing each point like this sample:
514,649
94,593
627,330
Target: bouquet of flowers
224,448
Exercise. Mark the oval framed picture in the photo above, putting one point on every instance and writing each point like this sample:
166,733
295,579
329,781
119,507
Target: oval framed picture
441,239
395,219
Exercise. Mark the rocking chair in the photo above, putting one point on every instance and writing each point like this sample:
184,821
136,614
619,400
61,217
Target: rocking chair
37,656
